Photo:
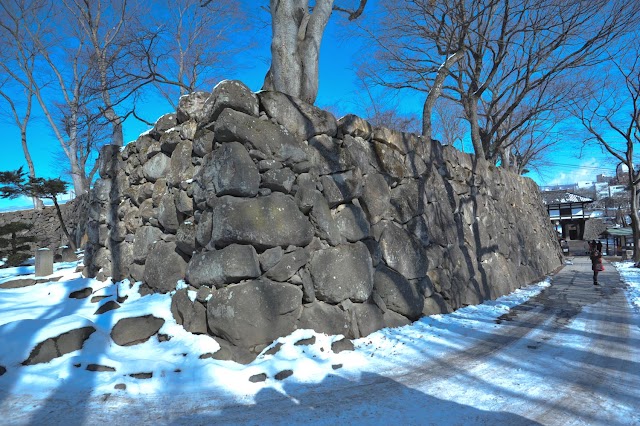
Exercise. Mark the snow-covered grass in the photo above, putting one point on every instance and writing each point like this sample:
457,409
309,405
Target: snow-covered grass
32,314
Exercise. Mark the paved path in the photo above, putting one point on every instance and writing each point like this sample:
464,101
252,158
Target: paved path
523,373
569,356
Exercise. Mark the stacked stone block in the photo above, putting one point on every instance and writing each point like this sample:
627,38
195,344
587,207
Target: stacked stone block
278,216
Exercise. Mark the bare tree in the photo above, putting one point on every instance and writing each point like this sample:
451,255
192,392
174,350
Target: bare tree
500,53
193,45
611,117
59,81
105,28
297,31
418,43
449,126
18,63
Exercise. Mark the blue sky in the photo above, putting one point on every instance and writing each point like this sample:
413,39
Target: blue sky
339,90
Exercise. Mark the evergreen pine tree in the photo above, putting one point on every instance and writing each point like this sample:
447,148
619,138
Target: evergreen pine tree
14,243
14,184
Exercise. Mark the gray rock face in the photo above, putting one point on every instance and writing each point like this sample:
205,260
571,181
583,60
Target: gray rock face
191,106
203,142
369,317
259,135
341,188
352,223
168,214
402,252
254,313
375,198
288,265
324,318
406,201
135,330
181,168
343,272
229,170
186,238
164,267
55,347
280,180
157,167
398,293
203,228
231,94
191,315
328,156
144,239
218,268
298,117
263,222
355,126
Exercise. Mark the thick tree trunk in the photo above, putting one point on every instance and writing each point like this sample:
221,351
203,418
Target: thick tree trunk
295,47
635,221
436,91
37,202
72,243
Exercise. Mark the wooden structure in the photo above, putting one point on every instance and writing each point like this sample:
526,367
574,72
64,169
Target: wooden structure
567,212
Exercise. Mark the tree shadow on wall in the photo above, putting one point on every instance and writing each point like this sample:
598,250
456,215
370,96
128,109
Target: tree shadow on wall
481,285
339,401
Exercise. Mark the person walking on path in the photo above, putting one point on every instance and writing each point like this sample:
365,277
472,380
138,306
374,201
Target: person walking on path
595,253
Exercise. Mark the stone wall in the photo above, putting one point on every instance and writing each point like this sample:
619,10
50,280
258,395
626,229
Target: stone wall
277,216
46,226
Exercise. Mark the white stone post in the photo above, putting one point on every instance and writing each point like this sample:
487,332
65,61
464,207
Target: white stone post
44,262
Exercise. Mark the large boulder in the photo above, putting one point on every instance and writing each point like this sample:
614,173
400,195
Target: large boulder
343,272
298,117
191,107
288,265
135,330
144,238
399,294
263,222
192,315
375,197
254,313
181,168
158,166
341,188
401,251
328,156
164,267
232,94
324,318
352,222
57,346
259,135
229,170
355,126
218,268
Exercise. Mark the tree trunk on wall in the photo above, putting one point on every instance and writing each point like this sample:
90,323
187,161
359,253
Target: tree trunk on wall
295,47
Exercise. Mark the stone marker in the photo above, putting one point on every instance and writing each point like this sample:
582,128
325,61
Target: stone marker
44,262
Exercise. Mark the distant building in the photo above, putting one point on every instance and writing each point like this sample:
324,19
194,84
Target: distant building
567,211
603,179
585,185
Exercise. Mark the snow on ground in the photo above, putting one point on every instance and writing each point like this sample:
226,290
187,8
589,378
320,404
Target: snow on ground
31,314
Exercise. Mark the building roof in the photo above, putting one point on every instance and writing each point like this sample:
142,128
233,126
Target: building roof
563,197
619,232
